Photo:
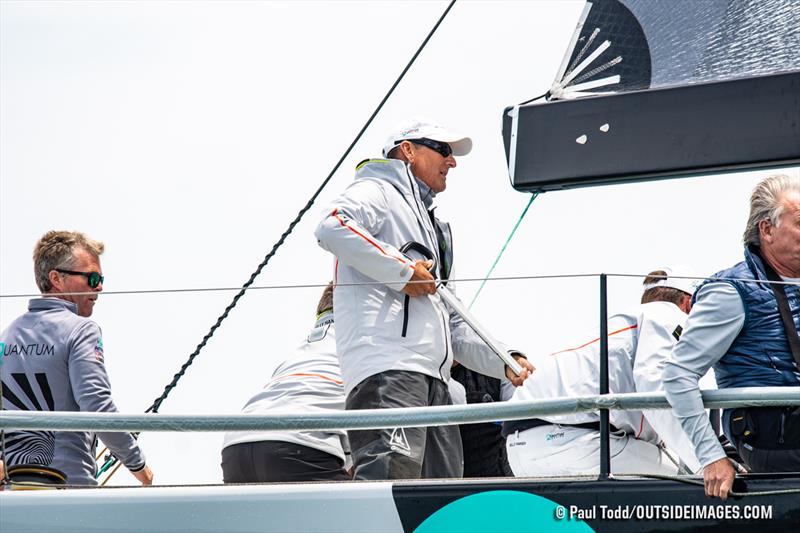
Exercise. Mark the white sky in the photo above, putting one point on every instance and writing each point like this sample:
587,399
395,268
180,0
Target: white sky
187,135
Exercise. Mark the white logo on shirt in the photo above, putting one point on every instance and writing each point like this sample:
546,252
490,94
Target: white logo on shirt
399,443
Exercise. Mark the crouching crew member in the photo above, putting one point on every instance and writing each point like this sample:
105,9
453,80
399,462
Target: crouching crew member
638,343
309,381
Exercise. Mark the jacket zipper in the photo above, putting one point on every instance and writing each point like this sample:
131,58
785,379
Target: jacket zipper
446,345
431,232
406,304
436,251
407,299
423,230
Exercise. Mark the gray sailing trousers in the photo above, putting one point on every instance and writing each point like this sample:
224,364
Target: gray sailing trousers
404,453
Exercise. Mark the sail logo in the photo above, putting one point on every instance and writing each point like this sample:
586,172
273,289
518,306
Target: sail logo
398,442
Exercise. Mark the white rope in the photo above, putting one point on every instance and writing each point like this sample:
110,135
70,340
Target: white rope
383,418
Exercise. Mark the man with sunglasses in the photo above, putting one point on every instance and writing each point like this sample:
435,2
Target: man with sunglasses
53,361
396,339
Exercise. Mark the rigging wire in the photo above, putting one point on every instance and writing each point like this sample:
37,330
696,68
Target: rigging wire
158,401
355,284
365,283
503,249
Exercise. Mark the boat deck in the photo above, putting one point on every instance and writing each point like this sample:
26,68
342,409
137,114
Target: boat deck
624,503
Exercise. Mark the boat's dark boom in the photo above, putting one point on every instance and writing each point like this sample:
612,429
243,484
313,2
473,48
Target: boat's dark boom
655,133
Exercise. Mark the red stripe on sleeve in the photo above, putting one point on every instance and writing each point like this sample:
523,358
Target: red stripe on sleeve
342,222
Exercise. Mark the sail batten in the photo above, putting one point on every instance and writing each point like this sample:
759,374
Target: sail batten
689,88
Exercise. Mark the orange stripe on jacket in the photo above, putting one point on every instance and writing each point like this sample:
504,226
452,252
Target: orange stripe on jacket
595,340
306,375
336,273
373,243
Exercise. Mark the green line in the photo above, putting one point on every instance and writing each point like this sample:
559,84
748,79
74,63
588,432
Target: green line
109,462
503,249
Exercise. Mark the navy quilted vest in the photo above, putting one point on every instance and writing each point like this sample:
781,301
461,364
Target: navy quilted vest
760,355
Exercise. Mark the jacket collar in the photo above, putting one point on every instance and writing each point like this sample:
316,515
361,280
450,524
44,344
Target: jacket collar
324,318
49,303
396,172
426,193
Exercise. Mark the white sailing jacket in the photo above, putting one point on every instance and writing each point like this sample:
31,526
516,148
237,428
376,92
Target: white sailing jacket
639,343
378,327
307,382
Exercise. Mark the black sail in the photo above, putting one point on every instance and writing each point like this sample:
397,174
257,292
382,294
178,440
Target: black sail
664,88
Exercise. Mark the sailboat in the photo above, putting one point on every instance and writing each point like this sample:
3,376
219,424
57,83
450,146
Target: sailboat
584,143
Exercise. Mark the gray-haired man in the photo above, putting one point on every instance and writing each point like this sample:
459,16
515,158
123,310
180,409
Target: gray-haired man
747,329
53,361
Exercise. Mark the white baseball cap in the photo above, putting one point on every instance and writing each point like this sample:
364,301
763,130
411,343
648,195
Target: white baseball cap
687,283
419,127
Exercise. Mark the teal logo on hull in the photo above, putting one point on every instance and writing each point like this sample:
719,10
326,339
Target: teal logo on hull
502,510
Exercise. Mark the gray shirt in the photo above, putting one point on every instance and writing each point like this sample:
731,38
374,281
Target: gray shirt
53,361
716,319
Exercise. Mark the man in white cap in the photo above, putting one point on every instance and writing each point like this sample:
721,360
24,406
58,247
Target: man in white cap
396,338
638,344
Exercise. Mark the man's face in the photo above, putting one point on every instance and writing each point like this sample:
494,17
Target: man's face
430,167
84,262
781,244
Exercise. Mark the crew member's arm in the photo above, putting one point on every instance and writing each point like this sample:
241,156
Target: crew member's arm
92,391
715,321
348,230
659,330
